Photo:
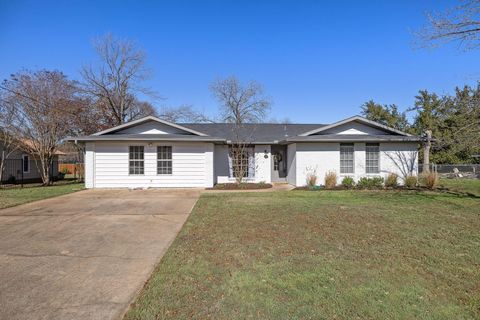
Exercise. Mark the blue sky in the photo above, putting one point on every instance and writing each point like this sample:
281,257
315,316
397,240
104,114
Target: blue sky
319,61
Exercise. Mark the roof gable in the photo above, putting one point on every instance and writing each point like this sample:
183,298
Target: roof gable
355,125
150,125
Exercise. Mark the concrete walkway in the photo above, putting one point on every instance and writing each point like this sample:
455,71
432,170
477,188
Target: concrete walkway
85,255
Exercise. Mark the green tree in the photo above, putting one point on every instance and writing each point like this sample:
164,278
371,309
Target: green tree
385,114
454,122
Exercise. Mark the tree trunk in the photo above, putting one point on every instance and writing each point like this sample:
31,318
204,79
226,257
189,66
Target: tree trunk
426,151
2,165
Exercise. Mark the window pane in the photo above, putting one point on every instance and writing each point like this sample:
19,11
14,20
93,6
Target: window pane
164,160
372,158
346,158
136,160
241,162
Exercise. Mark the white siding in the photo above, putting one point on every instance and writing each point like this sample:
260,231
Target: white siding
192,166
292,164
324,157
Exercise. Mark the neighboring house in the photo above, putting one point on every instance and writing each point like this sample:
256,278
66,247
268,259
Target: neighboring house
150,152
20,165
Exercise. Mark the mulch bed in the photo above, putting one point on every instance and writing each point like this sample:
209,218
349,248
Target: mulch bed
241,186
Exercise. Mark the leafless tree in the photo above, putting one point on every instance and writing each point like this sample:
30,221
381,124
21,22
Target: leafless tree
40,101
117,82
404,161
184,113
8,142
461,24
240,105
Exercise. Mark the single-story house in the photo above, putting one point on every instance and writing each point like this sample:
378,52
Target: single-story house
151,152
20,166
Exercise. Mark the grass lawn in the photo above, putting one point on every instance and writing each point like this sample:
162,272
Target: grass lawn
321,255
15,196
464,185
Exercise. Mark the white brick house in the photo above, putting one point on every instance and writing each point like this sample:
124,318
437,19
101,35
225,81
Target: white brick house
150,152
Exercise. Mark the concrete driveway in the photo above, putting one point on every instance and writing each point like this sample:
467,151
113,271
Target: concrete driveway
85,255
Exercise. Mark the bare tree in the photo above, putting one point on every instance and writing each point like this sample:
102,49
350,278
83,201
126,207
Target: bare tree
184,113
241,105
238,103
8,142
40,101
404,161
461,24
116,83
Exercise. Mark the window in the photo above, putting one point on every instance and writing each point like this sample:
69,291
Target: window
26,163
241,162
372,158
136,160
164,160
346,158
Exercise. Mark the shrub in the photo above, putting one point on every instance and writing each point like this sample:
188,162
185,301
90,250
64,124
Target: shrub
330,180
312,179
411,182
430,179
348,182
392,181
65,171
370,183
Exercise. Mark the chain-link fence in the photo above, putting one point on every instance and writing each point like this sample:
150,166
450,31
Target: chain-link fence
454,170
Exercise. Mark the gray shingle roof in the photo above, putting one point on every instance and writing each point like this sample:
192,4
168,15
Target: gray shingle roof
147,137
264,132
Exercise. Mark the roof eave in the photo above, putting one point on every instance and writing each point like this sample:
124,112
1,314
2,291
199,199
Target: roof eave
355,118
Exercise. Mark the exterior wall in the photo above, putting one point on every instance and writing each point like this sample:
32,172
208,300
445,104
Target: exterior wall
292,164
90,165
263,169
221,164
263,166
324,157
107,165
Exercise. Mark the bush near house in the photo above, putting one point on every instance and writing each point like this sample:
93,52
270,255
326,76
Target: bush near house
348,182
391,181
430,180
330,180
411,182
370,183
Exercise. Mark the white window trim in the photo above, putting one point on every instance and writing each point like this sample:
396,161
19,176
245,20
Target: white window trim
171,160
128,163
349,174
23,163
374,174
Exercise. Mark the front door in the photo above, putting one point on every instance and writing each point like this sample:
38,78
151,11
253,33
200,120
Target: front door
279,163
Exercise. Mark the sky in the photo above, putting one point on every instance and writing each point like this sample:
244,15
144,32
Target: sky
319,61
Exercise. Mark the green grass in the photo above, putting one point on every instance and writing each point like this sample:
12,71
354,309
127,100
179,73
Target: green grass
321,255
464,185
15,196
